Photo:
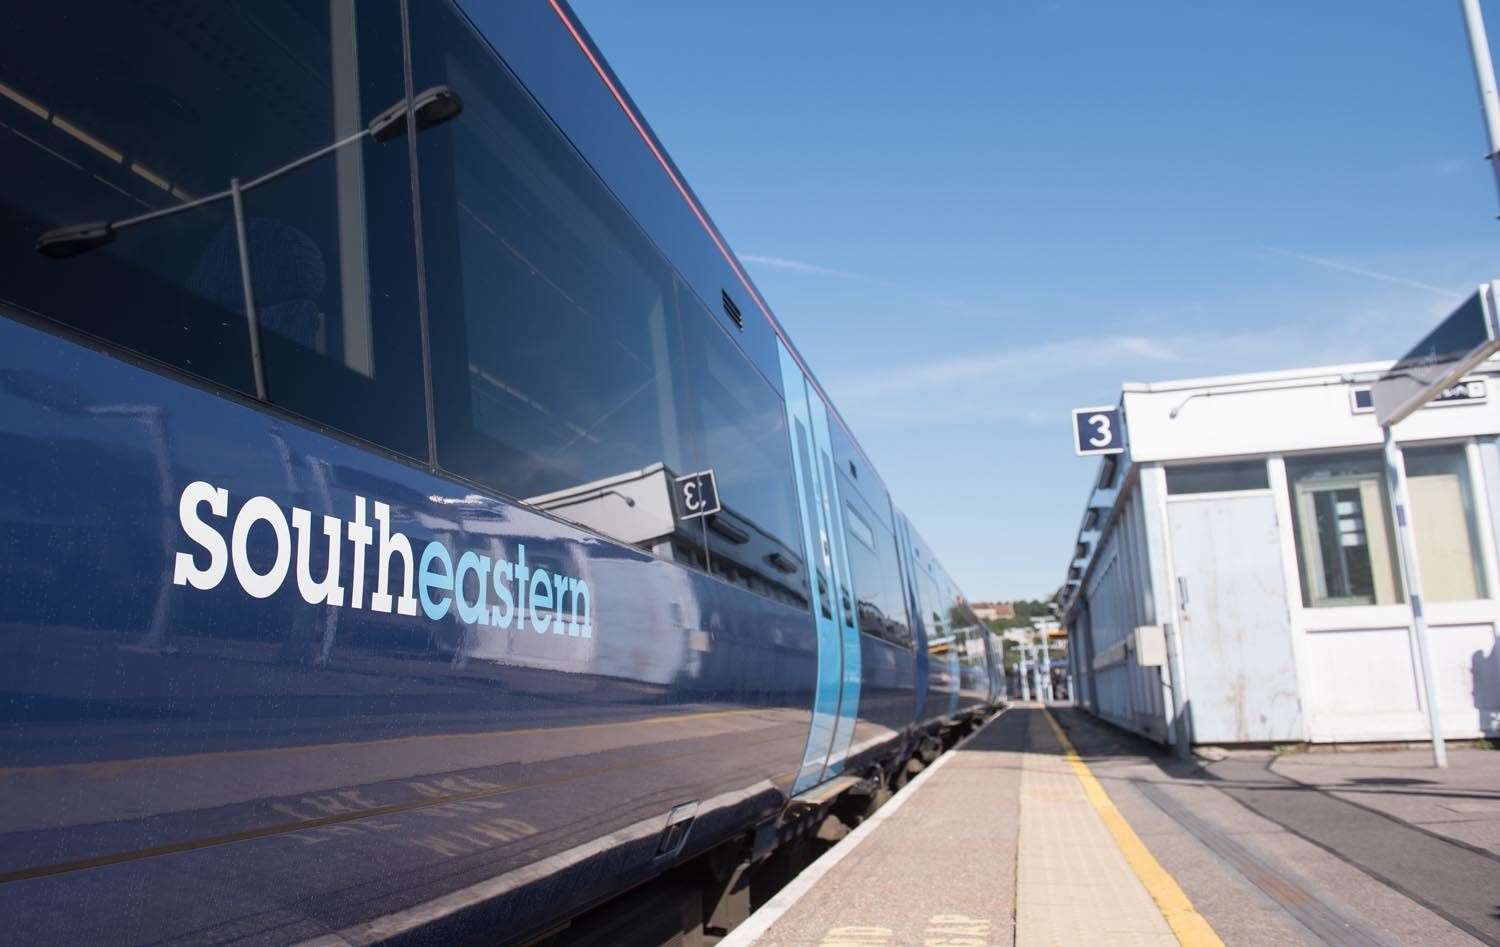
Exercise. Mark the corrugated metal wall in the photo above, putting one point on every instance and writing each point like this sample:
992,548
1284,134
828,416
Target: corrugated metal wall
1118,596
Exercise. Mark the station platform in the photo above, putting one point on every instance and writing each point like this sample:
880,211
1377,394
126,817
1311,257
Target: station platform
1047,827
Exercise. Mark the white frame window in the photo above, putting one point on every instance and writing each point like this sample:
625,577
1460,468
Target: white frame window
1346,553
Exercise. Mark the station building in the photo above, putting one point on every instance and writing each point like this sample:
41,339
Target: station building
1244,541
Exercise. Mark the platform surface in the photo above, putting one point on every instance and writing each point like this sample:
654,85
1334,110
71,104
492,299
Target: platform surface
1050,828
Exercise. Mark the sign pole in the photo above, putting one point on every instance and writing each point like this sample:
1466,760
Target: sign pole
1046,669
1411,575
1484,77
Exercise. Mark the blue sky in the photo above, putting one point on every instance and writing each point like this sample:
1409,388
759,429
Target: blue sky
974,216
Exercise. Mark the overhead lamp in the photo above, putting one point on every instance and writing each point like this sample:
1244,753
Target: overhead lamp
430,108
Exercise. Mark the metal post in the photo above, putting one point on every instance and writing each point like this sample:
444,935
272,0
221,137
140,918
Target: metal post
252,323
1021,672
1411,574
1026,670
1075,674
1046,669
1484,77
1036,673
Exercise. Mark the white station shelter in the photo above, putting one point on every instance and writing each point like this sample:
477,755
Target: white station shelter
1244,540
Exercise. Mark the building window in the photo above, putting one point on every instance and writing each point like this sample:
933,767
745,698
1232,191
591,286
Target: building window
1447,532
1217,478
1346,552
1108,467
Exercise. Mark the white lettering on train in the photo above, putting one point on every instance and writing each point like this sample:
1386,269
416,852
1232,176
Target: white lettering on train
548,602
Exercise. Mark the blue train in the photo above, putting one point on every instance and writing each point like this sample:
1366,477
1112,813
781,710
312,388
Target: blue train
414,524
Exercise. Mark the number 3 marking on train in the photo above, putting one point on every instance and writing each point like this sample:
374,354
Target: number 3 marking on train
1097,431
697,495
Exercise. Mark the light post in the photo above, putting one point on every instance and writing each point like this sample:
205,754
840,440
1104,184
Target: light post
1411,576
1022,672
1465,338
427,109
1046,668
1484,78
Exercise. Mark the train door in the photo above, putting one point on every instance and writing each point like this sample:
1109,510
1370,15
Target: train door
844,601
818,552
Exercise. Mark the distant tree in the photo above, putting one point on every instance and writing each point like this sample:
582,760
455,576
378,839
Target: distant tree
1026,610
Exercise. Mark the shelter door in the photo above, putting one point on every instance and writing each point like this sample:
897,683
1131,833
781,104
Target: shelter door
1236,631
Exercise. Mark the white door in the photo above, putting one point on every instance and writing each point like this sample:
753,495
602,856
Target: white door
1236,634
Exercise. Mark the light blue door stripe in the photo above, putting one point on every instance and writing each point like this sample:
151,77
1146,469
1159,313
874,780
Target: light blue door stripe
848,626
848,705
826,694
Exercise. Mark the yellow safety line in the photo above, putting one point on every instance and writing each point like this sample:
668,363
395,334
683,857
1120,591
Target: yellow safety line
1187,924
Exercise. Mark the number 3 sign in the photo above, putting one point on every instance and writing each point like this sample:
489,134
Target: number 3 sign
1097,431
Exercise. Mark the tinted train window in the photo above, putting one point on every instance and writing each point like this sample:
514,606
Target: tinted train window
153,106
858,474
931,601
934,614
859,529
556,338
875,571
740,427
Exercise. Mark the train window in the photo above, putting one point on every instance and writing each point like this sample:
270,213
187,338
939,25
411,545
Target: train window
875,570
858,528
556,334
229,92
543,54
939,637
862,478
1217,478
740,428
836,541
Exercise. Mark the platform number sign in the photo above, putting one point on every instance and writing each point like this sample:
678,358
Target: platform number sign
697,495
1098,431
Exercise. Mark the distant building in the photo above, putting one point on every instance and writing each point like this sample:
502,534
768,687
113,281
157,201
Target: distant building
1249,521
993,611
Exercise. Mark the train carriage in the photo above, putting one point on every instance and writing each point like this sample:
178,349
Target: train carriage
415,525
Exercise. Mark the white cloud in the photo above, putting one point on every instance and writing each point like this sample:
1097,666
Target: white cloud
796,266
1368,274
1149,349
1024,362
1034,385
1451,166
